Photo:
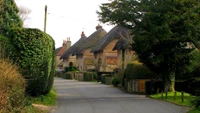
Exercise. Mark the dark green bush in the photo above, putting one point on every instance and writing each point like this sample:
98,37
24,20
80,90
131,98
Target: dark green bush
116,81
73,68
67,76
196,102
191,86
136,70
35,53
90,76
103,76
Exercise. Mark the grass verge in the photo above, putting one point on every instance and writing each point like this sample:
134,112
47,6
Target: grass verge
177,100
42,103
48,100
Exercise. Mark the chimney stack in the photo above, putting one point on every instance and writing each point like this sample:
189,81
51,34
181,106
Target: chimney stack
83,34
68,43
98,27
64,43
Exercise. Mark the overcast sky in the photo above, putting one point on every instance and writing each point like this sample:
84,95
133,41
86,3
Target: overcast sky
66,18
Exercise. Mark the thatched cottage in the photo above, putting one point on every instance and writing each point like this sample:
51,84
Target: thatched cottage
84,58
59,51
114,50
69,56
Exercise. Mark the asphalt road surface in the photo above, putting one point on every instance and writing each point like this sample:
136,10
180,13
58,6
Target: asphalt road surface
89,97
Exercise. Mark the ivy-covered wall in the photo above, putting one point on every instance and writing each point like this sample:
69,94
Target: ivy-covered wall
34,52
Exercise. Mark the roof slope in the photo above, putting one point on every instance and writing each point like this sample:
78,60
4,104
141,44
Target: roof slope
73,48
115,33
58,49
122,44
91,41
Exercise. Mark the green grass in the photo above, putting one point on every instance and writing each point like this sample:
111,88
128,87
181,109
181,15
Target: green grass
170,98
194,111
48,100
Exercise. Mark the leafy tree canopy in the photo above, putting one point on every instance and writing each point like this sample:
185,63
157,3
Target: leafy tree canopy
166,32
9,16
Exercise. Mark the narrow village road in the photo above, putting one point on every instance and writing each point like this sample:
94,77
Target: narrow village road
88,97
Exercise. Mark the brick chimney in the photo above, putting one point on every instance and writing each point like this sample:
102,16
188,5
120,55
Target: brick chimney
98,27
64,43
68,43
83,35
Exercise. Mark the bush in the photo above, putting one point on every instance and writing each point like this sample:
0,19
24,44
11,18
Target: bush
196,103
34,52
136,70
154,87
73,68
116,81
67,76
106,79
12,88
191,86
90,76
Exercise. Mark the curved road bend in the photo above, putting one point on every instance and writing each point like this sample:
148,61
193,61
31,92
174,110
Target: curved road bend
89,97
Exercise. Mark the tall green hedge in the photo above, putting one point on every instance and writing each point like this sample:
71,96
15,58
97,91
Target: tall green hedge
136,70
34,52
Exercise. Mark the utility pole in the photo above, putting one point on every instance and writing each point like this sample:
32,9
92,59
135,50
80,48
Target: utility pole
45,19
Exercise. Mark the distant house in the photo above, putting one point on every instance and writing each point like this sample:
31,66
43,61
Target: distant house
84,58
59,51
69,55
113,51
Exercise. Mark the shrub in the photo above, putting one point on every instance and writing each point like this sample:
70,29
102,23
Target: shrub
34,52
107,79
67,76
116,81
136,70
73,68
90,76
196,103
12,88
191,86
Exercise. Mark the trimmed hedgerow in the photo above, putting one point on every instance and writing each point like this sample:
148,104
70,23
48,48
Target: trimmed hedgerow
90,76
136,70
34,52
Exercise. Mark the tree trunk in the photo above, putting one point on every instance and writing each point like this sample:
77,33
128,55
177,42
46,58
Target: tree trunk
169,82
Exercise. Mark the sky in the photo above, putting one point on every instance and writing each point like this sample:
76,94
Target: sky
65,18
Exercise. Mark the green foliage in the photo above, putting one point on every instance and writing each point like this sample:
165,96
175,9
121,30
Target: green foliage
67,75
9,16
73,68
165,32
106,79
196,103
116,81
136,70
35,53
90,76
49,99
178,100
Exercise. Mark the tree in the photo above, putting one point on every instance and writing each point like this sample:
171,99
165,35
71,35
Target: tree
9,16
23,13
165,32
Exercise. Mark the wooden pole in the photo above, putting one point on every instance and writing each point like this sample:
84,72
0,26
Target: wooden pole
45,18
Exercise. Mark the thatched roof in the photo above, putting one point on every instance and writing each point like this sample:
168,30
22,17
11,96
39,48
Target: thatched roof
122,44
91,41
58,49
73,48
115,33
